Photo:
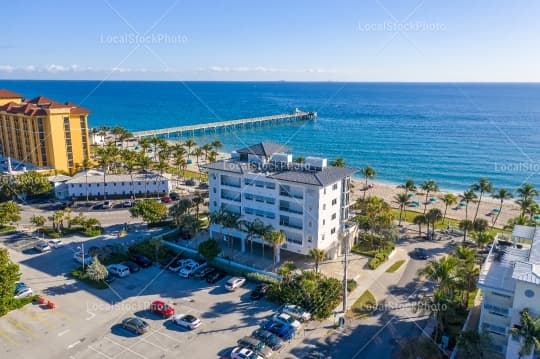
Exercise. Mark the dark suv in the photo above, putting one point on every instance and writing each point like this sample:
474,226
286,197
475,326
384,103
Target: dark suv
141,260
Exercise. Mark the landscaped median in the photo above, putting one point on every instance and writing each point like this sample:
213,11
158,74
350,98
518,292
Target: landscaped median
395,267
364,305
378,250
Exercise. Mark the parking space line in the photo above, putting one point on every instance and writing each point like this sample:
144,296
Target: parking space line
125,348
154,345
100,352
6,336
22,327
171,338
36,317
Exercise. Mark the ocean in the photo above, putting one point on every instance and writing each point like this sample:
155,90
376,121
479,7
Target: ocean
451,133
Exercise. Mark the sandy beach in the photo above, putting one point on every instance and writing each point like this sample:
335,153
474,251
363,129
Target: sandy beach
388,192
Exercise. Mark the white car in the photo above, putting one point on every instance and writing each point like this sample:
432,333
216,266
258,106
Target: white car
296,312
188,270
78,256
244,353
187,321
56,243
286,318
23,292
118,270
234,282
42,246
181,263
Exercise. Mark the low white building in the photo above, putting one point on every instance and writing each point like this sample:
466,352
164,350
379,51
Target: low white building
510,282
309,202
93,184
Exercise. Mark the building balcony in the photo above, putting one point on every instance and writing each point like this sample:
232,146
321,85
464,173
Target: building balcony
291,195
230,184
231,198
290,225
291,210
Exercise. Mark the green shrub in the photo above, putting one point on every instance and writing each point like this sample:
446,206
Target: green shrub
351,285
92,232
374,263
78,273
261,278
164,223
21,302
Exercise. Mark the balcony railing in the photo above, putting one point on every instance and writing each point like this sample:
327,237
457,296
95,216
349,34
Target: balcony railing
231,198
291,210
230,184
292,195
290,225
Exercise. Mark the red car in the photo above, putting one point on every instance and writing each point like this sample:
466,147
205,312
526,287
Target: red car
161,308
166,199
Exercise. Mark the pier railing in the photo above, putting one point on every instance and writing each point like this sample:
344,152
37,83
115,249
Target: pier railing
296,115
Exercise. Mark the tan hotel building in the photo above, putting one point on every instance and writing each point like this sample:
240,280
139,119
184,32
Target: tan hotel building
43,132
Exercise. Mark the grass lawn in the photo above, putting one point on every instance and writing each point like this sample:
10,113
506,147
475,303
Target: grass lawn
394,267
472,295
190,174
5,229
364,306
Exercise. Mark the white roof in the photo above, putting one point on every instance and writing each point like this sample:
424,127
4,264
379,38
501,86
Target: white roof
527,272
526,232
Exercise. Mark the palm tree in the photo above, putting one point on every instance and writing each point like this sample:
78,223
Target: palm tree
38,221
180,208
217,145
299,159
483,238
527,190
144,162
212,156
318,256
449,200
252,229
197,201
190,143
86,166
419,220
206,148
408,186
429,186
198,152
368,172
466,225
402,199
433,216
276,240
230,221
483,186
468,197
145,144
528,331
338,162
442,271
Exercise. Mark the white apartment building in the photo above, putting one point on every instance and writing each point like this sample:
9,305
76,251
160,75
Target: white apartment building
116,185
309,202
510,282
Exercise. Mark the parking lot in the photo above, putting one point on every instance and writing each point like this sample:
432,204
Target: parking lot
85,323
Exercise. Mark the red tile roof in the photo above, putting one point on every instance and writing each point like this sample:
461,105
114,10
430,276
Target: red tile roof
9,94
37,106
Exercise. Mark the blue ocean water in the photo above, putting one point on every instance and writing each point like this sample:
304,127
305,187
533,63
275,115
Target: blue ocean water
452,133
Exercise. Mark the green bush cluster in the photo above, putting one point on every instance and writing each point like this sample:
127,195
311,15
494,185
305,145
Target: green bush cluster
78,273
92,232
261,278
381,256
21,302
351,285
147,249
316,293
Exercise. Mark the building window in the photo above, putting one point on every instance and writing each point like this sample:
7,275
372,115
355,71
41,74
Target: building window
334,216
215,203
322,238
324,191
310,239
214,189
323,222
501,295
529,293
334,201
334,187
324,207
333,230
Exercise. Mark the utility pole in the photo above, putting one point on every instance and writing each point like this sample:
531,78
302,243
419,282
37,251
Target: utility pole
346,247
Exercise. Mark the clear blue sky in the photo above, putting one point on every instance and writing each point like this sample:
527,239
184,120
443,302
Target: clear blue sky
360,40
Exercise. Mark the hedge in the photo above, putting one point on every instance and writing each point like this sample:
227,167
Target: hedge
78,273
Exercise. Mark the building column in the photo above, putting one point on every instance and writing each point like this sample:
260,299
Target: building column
243,243
278,255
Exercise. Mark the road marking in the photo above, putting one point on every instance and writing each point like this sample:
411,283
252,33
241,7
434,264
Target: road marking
168,336
125,348
72,345
22,327
62,333
37,317
100,352
8,338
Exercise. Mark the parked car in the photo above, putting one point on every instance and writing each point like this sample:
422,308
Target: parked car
202,272
161,308
133,267
107,204
187,321
166,199
23,292
296,312
214,276
234,282
244,353
188,269
175,196
190,182
118,270
259,291
282,330
420,253
127,203
286,318
141,260
56,243
42,246
270,339
19,285
181,263
136,325
256,345
78,256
